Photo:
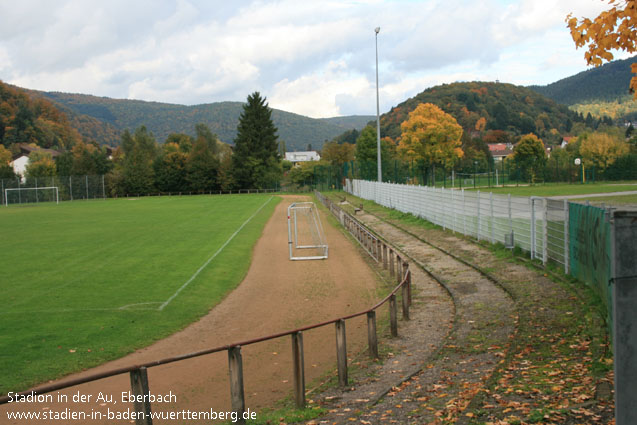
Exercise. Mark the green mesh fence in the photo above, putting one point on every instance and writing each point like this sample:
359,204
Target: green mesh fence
590,250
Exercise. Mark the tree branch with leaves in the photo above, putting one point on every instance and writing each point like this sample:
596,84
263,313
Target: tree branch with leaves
613,29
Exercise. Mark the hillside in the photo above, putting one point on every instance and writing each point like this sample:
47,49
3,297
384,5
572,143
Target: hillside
103,119
608,82
26,120
516,109
601,91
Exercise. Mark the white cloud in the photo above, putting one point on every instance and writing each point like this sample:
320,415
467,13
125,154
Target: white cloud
316,95
314,58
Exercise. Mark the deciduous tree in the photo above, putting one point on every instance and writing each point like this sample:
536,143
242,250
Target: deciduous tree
170,169
601,149
431,135
6,171
530,156
337,154
140,150
613,29
40,165
367,157
202,166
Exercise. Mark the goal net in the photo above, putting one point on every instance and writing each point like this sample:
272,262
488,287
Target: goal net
26,195
306,238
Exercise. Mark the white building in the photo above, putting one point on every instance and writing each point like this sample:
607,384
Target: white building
20,165
296,157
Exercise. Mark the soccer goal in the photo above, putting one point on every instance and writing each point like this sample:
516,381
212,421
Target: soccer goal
25,195
306,238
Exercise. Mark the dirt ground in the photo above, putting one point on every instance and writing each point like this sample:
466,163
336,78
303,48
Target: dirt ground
276,295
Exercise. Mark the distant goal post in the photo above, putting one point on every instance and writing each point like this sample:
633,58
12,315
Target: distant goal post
306,238
31,195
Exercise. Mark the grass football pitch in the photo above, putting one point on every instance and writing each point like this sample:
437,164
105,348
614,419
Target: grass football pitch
86,282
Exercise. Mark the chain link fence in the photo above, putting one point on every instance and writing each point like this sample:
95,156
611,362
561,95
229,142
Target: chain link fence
30,190
574,236
539,226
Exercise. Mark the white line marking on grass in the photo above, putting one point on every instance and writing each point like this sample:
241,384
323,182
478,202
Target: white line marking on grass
173,296
136,306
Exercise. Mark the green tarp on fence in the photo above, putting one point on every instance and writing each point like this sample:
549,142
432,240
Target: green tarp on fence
590,250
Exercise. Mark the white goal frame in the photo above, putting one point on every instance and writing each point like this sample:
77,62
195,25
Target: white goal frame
6,192
315,228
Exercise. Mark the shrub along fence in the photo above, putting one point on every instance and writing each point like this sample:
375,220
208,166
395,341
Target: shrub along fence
384,254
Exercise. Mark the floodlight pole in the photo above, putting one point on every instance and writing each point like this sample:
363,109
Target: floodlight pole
380,171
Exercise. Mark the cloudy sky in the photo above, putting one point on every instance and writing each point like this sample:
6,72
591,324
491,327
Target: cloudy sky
314,58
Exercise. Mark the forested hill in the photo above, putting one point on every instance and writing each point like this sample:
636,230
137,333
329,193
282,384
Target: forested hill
26,120
103,119
479,106
608,82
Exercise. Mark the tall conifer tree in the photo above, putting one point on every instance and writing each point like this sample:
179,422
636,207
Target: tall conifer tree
255,162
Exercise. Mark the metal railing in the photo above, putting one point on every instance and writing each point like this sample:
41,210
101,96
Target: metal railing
378,249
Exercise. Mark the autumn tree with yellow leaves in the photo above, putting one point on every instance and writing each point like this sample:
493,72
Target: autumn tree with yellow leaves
601,149
431,135
613,29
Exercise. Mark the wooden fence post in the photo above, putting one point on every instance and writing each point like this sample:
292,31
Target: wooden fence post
391,262
139,387
393,320
299,369
409,285
372,339
385,256
341,352
405,300
235,367
399,269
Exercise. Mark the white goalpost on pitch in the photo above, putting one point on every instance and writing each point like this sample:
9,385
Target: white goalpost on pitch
305,232
29,199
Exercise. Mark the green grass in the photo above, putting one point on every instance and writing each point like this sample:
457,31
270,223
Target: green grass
561,189
611,200
83,282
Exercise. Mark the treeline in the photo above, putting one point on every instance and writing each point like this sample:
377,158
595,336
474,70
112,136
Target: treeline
141,165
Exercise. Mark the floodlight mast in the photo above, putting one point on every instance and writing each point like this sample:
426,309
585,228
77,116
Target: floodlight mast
380,171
